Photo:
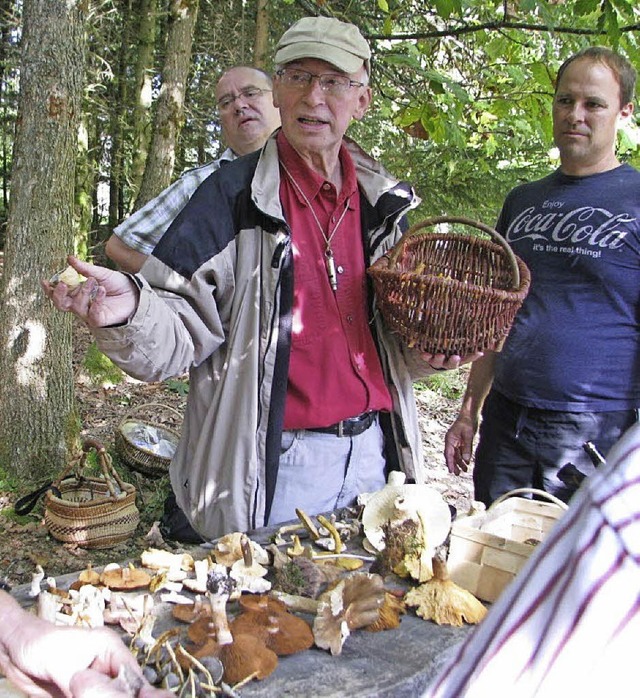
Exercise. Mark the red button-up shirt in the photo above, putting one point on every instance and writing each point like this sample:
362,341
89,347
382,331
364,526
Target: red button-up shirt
334,370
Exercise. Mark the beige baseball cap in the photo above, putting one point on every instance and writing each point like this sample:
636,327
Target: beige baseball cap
327,39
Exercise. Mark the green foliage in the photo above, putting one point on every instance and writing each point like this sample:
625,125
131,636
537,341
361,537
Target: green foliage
100,368
450,384
180,386
462,87
8,482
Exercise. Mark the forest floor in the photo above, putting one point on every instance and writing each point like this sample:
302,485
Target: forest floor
104,403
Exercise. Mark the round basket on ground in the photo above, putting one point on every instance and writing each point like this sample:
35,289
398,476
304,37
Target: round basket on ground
449,293
91,512
144,446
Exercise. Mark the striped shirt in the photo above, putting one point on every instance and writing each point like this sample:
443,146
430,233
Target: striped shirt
142,230
569,624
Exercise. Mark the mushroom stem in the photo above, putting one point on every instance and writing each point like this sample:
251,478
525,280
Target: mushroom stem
245,546
36,579
352,556
219,588
246,680
333,532
308,524
301,604
219,618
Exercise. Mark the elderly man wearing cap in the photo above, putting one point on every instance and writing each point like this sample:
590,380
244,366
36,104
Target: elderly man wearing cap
299,396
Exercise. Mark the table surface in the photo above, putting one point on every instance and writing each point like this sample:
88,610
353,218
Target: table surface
394,663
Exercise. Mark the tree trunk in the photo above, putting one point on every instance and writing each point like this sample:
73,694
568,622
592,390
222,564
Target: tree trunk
119,100
37,416
143,93
158,172
261,44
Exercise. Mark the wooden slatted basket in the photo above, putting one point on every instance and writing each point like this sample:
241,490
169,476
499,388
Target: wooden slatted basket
91,512
449,293
488,549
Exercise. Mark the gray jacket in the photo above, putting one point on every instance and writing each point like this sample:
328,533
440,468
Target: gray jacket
216,300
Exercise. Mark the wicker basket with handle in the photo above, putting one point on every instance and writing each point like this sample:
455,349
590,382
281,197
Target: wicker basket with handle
91,512
137,442
448,293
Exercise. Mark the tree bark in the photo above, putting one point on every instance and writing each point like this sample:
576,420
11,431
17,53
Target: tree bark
146,33
261,44
37,416
118,90
158,172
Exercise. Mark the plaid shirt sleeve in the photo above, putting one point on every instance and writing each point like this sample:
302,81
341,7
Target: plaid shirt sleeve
571,618
142,230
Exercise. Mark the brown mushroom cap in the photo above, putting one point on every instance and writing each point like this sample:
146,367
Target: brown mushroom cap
261,603
246,656
125,578
188,613
283,633
201,629
89,576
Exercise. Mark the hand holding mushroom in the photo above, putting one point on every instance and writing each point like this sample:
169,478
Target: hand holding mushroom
42,659
106,297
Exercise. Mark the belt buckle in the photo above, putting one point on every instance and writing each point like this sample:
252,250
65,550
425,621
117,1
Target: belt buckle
341,428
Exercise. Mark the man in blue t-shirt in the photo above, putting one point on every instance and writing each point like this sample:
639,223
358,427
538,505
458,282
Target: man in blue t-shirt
568,372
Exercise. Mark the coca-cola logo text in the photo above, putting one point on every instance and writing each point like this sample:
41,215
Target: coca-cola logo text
586,225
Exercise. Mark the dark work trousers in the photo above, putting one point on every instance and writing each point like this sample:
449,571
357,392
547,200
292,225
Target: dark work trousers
526,447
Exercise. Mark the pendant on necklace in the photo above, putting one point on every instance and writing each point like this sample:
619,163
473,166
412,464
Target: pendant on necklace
331,269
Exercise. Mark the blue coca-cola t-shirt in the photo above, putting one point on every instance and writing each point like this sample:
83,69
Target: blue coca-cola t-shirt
575,343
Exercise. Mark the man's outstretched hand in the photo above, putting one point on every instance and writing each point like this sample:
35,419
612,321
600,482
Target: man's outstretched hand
107,297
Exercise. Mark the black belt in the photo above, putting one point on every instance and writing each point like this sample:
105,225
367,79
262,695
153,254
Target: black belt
349,427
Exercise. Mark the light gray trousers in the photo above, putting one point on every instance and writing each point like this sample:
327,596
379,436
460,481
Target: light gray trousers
322,472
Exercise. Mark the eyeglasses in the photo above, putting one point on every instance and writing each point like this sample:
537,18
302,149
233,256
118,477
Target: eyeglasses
249,93
329,82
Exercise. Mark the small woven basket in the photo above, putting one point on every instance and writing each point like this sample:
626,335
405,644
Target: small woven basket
138,457
448,293
91,512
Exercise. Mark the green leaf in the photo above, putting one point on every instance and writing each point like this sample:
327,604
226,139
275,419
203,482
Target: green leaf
176,385
585,7
383,5
624,8
445,8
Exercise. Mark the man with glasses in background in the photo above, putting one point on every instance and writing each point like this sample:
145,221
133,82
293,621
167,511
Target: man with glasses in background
299,397
247,118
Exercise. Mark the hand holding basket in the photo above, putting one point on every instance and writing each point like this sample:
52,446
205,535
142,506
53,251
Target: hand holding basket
447,293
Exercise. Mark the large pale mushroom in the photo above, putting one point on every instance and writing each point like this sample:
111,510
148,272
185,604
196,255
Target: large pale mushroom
418,519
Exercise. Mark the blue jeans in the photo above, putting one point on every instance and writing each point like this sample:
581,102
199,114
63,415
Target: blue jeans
322,472
526,447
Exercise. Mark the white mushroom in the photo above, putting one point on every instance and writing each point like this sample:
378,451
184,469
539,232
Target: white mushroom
36,580
176,564
199,583
247,572
175,598
219,588
48,606
228,550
